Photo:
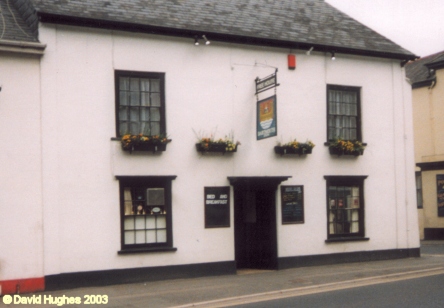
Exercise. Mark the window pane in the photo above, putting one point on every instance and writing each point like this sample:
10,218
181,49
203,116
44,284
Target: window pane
155,128
124,83
134,128
151,236
129,237
140,237
123,99
144,114
145,128
145,99
155,114
155,99
151,222
161,221
123,113
155,85
134,98
134,114
123,128
129,223
144,85
134,84
161,236
140,222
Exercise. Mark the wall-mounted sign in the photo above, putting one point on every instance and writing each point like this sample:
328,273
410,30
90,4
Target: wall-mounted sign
266,118
266,83
217,207
292,204
440,194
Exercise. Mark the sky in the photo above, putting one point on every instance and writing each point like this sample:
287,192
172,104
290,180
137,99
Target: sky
415,25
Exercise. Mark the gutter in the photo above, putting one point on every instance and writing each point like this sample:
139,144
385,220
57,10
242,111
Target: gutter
22,47
227,38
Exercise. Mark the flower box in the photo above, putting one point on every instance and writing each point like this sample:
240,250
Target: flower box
341,147
140,142
340,152
284,150
215,148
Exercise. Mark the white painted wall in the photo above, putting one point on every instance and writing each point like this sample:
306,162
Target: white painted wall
21,221
209,87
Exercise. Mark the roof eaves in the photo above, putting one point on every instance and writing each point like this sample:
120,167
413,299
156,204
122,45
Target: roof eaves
223,37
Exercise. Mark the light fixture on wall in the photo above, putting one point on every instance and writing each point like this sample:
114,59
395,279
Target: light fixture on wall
207,42
333,55
196,41
309,51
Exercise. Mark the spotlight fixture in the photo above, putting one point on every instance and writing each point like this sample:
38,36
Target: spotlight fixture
207,42
333,55
309,51
196,42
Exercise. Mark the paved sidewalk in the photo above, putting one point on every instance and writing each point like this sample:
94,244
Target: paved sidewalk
247,285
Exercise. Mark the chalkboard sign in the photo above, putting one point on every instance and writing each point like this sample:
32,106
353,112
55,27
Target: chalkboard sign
292,204
440,194
217,207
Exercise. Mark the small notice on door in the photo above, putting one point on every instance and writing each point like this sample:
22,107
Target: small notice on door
292,204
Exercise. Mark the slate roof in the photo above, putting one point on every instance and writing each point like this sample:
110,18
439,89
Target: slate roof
13,26
421,72
284,23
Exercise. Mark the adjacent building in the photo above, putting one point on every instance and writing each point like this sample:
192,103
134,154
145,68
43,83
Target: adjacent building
161,139
426,76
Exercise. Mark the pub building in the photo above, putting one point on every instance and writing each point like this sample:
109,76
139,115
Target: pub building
199,138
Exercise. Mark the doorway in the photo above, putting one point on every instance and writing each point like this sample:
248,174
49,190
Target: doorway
255,229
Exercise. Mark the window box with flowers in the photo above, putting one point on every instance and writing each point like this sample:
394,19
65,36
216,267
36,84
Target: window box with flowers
294,147
226,145
341,147
156,143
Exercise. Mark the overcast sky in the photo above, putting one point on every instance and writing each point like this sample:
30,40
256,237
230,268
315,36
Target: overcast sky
416,25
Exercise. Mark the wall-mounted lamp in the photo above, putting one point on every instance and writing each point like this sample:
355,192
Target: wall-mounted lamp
309,51
207,42
196,41
333,55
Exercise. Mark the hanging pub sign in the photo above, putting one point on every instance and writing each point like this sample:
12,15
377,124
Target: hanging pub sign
266,118
266,83
217,207
292,204
440,194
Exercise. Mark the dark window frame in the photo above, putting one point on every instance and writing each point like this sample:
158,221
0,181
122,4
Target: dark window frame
419,199
142,75
144,182
357,90
347,181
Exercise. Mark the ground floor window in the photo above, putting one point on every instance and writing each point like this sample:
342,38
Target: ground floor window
345,206
146,212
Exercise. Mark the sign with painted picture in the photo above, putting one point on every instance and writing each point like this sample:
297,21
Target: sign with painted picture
440,194
266,118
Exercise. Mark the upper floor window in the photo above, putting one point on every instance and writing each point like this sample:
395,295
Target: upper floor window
140,103
343,113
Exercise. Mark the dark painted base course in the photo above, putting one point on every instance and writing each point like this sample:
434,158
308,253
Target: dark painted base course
434,233
133,275
359,256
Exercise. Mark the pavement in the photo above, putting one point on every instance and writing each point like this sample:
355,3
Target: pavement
250,286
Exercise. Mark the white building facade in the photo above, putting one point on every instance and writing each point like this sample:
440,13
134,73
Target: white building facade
101,214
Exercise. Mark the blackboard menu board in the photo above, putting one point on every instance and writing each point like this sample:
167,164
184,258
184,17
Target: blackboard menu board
440,194
217,207
292,204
